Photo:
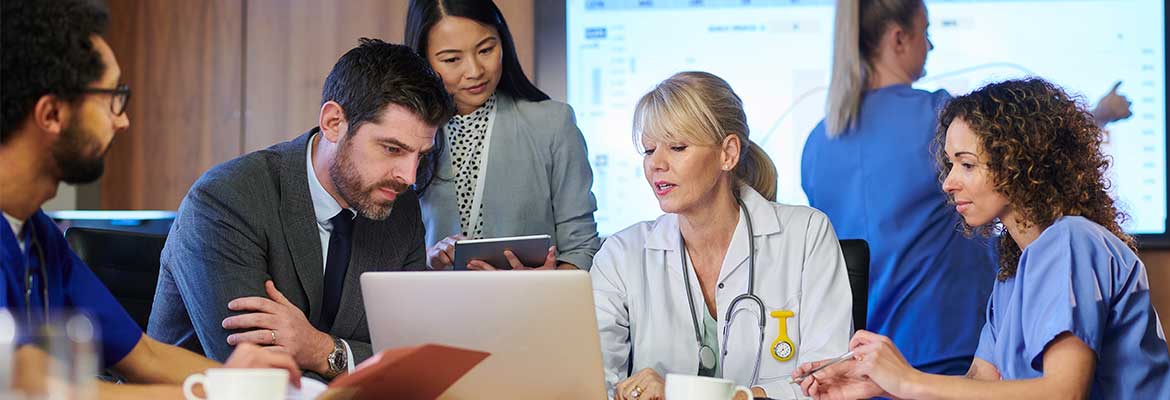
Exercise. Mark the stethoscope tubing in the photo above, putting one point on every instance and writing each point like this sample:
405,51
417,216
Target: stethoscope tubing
33,242
731,309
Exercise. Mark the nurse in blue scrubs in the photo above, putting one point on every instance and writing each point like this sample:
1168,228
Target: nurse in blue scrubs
868,166
1070,313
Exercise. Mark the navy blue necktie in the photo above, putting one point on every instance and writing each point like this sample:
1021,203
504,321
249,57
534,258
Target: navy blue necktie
336,264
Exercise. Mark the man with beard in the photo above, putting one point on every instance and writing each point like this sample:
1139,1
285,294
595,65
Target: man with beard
62,106
268,248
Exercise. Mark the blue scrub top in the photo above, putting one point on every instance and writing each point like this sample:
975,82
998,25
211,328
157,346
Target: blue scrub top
1077,277
72,286
928,284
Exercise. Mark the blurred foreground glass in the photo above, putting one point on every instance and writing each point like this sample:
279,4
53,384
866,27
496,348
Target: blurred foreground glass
57,359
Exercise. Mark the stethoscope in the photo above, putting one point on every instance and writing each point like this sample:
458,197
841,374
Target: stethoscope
706,353
28,277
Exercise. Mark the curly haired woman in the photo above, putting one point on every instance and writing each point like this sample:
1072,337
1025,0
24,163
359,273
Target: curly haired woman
1070,314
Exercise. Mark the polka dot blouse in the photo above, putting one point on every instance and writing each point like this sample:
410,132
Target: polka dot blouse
467,134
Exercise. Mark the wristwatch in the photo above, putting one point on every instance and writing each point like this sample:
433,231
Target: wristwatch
338,359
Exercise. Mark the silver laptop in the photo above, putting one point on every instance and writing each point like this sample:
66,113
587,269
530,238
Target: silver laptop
539,326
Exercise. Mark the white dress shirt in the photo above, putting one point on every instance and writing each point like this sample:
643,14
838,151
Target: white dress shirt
324,208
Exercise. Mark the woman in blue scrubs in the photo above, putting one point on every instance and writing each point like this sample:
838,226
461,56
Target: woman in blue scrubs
1070,313
868,166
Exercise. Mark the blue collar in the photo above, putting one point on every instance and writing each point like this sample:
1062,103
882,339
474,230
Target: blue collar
11,247
34,254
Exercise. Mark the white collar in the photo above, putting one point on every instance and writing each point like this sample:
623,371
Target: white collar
664,235
324,206
482,112
16,225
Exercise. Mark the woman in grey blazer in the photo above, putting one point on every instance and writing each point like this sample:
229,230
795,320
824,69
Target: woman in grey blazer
511,162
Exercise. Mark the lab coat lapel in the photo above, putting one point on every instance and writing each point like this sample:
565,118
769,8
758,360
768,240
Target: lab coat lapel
665,234
664,241
764,223
737,251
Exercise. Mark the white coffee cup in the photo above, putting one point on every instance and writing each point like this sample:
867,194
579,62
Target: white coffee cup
689,387
239,384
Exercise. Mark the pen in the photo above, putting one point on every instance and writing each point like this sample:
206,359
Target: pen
843,357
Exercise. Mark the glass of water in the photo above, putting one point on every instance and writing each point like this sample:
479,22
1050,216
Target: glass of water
52,359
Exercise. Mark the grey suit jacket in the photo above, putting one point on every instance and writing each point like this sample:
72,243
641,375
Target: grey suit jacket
251,219
538,181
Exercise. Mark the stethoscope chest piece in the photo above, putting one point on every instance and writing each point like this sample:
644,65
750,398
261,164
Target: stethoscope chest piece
782,348
706,358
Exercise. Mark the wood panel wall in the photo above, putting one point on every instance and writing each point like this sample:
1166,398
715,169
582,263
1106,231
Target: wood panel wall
181,58
291,46
214,79
1158,271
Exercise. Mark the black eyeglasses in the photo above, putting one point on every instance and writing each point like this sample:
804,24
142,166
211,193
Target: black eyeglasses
120,97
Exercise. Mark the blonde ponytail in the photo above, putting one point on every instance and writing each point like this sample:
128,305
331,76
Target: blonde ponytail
857,32
848,79
757,170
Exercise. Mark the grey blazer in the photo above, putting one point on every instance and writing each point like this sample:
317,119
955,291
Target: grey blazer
538,181
251,219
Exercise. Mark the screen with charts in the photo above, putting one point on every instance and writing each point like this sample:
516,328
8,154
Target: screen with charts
777,55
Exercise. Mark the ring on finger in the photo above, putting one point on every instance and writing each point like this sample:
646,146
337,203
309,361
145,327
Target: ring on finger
273,332
636,392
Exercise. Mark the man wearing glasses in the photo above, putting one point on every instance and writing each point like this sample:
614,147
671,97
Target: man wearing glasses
62,106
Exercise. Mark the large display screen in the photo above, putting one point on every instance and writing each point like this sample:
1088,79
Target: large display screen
777,55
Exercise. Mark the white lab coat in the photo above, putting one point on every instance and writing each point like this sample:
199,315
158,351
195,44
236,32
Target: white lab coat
642,307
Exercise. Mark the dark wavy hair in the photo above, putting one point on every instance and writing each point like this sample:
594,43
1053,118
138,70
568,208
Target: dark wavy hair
422,15
375,74
1043,151
46,49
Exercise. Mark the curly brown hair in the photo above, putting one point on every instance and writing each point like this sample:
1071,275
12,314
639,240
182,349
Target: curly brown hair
1044,153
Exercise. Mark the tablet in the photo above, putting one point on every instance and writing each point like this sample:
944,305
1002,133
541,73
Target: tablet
531,250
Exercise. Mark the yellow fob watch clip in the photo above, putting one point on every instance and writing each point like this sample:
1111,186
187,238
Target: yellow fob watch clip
782,348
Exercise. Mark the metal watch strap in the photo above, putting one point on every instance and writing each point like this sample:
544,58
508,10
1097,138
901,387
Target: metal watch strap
337,358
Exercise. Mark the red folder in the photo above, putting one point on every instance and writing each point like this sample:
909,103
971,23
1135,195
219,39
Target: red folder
409,373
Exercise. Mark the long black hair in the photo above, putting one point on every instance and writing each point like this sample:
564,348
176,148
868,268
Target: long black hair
422,15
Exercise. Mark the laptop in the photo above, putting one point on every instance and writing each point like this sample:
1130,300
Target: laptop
539,326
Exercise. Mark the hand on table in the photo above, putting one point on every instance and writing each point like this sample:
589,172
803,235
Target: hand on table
642,385
279,325
877,369
836,382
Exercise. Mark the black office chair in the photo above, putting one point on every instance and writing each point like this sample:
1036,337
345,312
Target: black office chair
856,253
126,262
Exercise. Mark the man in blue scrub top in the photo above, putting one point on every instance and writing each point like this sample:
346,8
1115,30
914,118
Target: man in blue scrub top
62,105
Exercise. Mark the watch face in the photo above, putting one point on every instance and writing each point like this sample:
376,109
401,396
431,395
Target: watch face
337,359
783,349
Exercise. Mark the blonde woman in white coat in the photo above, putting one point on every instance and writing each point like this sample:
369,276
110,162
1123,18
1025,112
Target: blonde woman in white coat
718,192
